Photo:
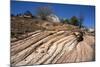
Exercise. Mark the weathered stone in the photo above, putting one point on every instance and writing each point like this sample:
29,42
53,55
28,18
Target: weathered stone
53,18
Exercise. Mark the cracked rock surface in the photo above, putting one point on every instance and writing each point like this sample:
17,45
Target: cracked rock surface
52,47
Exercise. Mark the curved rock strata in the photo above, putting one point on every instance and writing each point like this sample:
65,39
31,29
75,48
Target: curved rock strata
52,47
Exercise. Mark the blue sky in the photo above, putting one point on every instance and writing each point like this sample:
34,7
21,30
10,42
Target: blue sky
61,10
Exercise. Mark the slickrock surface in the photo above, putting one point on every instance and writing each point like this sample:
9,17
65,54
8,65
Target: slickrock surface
51,47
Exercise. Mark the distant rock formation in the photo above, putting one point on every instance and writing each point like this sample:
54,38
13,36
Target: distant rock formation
91,30
53,18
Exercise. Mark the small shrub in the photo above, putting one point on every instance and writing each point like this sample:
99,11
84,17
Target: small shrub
69,28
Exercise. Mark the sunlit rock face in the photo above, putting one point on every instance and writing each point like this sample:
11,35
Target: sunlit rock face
91,30
52,47
53,18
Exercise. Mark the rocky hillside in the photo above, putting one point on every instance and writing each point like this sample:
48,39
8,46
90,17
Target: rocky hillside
35,41
47,47
21,25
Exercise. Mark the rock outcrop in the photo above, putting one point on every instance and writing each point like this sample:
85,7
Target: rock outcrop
52,47
53,18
